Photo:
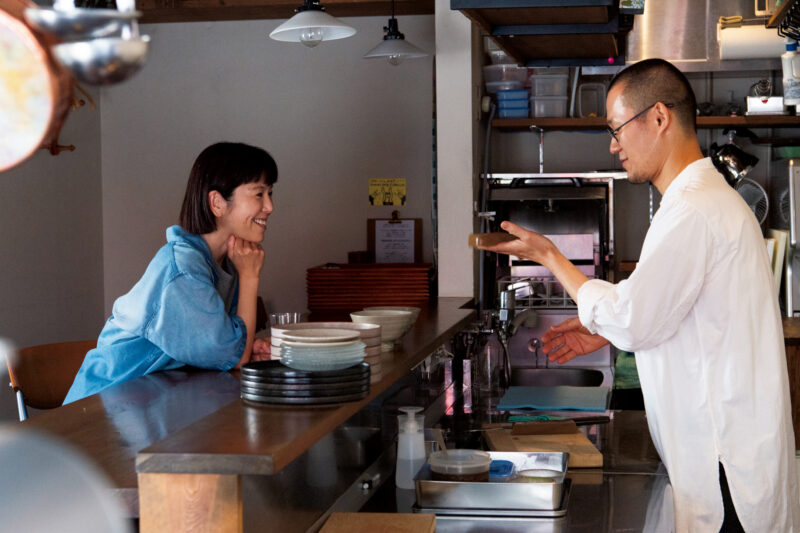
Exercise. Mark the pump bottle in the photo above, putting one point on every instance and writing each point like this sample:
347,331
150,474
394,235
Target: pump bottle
791,74
410,446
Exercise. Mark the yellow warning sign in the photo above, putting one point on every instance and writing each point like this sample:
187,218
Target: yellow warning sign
387,191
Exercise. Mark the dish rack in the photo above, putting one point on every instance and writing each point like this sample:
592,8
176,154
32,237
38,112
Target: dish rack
536,292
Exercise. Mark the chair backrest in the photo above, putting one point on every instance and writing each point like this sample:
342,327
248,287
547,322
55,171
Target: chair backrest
45,373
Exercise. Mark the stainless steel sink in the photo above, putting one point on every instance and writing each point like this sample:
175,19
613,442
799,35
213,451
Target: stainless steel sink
551,377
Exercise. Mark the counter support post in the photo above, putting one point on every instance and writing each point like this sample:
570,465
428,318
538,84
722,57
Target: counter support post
190,502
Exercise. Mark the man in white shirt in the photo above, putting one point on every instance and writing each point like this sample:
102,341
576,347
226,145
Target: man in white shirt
701,313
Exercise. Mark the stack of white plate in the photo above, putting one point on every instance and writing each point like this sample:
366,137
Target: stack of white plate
370,335
322,349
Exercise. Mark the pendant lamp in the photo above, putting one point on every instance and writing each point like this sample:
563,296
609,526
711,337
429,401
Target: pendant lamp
394,46
311,25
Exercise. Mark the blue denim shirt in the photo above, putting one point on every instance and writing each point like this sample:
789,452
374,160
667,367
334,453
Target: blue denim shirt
181,312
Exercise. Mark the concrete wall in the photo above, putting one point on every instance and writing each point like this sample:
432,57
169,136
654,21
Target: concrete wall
330,118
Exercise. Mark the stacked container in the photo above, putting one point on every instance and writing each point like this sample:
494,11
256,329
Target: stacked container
503,74
512,104
549,92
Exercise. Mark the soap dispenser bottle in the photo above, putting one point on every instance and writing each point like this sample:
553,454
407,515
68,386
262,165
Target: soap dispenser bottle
410,446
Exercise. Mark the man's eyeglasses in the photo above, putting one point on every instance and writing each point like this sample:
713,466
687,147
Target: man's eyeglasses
613,131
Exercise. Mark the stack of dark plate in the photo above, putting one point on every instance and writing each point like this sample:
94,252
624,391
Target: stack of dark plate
273,382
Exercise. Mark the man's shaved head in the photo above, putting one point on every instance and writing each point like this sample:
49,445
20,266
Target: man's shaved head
655,80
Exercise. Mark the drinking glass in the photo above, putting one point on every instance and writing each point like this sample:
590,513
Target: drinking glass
281,319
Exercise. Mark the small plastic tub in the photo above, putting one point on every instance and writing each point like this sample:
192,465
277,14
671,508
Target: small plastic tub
460,465
505,73
500,471
513,113
512,104
495,86
549,84
548,106
521,94
538,476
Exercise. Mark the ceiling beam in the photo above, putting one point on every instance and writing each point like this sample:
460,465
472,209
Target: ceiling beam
210,10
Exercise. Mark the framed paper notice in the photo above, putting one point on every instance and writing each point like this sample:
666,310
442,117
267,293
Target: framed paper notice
395,240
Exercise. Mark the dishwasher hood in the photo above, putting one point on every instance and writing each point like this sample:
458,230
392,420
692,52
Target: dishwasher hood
685,33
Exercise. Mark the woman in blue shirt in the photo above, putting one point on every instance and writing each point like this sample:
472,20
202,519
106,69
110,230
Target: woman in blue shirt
196,302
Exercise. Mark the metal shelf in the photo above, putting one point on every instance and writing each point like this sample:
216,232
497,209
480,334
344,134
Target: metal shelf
539,33
599,123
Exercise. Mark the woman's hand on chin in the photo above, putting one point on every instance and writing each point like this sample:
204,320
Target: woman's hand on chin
246,256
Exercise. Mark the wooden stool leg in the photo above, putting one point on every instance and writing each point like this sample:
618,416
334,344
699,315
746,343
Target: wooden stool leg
190,503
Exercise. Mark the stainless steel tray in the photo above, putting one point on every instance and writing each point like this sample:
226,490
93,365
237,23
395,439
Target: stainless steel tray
486,496
499,514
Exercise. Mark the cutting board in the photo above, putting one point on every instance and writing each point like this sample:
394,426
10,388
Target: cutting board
582,453
379,523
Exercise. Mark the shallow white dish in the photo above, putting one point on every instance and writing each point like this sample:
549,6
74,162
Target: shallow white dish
321,335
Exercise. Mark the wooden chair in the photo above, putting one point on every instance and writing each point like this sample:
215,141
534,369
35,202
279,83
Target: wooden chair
42,375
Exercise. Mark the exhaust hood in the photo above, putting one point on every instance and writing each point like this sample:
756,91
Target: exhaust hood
685,33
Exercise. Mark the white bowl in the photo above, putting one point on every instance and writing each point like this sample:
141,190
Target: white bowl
394,323
414,310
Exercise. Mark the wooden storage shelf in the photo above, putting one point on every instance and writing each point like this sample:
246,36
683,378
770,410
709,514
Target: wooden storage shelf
599,123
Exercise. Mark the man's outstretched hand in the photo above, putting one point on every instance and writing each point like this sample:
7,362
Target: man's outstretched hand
570,339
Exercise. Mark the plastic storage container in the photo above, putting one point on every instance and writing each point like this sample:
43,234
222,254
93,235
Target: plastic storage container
500,470
548,106
521,94
512,104
493,73
549,84
460,465
513,113
495,86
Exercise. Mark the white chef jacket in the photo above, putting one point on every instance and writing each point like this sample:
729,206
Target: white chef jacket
701,313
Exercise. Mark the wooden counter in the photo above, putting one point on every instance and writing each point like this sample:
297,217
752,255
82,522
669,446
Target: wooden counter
196,473
186,431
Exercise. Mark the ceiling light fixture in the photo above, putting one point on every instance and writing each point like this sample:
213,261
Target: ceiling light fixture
394,46
311,25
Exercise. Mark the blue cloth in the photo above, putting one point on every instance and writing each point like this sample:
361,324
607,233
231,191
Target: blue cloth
555,398
181,312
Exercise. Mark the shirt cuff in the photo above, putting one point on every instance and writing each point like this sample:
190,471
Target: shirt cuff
589,294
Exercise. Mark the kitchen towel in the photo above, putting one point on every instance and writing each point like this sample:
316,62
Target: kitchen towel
555,398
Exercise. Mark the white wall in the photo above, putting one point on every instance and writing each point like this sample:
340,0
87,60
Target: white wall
51,267
331,120
455,95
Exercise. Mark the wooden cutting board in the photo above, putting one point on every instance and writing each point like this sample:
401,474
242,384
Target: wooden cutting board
379,523
582,453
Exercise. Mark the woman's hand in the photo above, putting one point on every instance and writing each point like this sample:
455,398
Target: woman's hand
569,340
261,350
528,245
246,256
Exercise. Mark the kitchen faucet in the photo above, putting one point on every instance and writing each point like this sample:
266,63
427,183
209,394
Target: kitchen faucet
508,324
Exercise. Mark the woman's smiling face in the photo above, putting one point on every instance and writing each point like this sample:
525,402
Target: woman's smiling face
247,211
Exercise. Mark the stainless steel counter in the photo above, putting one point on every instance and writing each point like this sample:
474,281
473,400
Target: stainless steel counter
630,493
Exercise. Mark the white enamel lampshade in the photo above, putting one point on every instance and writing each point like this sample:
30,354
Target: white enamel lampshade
310,27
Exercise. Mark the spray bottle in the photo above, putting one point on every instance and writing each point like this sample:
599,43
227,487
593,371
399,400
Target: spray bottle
410,446
791,73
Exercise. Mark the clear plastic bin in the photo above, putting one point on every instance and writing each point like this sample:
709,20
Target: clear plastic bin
494,86
549,84
492,73
548,106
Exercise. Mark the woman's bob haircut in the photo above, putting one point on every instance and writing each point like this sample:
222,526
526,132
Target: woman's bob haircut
222,167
